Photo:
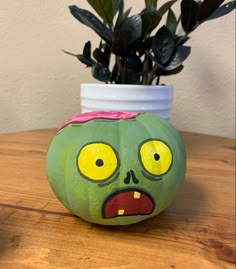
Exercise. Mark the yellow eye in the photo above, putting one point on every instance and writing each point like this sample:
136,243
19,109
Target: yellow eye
97,161
156,157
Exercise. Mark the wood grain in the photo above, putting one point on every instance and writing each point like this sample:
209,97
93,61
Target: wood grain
196,232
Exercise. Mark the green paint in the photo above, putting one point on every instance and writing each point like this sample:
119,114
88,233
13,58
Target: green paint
85,197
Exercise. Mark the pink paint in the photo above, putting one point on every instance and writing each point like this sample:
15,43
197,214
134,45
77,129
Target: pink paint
107,115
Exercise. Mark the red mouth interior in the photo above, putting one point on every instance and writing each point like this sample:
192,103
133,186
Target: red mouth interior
128,203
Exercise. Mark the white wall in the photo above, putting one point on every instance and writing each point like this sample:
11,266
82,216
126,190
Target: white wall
40,84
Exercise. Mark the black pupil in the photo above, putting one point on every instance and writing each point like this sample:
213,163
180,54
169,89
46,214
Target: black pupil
99,162
156,156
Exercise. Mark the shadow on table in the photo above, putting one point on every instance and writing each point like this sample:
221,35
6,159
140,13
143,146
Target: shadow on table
9,238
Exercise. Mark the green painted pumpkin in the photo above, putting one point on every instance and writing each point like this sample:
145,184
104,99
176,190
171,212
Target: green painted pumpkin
116,168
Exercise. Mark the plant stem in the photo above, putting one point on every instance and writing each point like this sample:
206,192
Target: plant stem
153,74
182,38
158,80
125,81
122,70
178,21
145,70
119,67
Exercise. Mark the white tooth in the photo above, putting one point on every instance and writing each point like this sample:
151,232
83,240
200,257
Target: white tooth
137,195
121,212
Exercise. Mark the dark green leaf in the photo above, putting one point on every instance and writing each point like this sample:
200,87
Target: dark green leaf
171,22
107,54
151,3
103,9
148,43
114,74
132,77
126,13
180,40
134,63
180,55
150,19
208,7
128,32
116,5
173,71
100,72
91,21
122,15
223,10
106,9
165,7
87,50
136,46
189,14
87,61
102,56
163,45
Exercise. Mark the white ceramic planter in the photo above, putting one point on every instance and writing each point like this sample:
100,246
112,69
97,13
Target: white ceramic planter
156,99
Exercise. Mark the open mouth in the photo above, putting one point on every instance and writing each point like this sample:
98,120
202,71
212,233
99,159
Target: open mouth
128,202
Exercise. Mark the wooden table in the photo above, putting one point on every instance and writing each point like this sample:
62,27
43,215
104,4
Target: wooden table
196,232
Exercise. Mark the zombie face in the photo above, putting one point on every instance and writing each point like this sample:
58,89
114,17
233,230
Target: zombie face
116,168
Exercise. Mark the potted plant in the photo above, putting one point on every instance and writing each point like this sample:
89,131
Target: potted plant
136,50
